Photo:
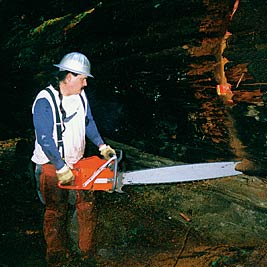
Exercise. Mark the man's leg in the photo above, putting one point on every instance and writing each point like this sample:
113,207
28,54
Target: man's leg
55,217
86,221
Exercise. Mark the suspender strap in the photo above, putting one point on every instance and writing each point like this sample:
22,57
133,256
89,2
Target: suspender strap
86,118
82,101
60,144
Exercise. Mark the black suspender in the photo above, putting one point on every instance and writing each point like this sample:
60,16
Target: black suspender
60,144
86,118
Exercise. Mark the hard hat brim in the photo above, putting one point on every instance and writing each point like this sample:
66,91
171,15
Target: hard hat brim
62,68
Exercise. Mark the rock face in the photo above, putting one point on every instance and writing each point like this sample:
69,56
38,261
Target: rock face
179,79
245,72
154,61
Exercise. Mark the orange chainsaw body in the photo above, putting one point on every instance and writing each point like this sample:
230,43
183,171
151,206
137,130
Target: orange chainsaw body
86,168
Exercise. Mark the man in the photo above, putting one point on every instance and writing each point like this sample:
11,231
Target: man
62,119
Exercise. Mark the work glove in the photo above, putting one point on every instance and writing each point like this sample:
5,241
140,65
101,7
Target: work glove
107,152
65,175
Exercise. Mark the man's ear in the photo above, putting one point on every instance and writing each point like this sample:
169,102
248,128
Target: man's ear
69,77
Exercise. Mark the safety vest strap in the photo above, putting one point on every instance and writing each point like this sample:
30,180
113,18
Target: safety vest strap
60,144
86,118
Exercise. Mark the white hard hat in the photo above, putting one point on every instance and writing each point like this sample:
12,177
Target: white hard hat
75,62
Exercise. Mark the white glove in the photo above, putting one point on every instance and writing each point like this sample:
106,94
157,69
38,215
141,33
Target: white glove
65,175
106,151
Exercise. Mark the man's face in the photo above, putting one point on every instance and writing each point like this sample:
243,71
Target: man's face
76,83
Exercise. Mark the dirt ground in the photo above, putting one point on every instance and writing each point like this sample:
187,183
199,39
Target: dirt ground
200,257
209,223
160,232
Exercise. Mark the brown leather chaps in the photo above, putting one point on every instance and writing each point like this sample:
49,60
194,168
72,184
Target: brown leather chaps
55,217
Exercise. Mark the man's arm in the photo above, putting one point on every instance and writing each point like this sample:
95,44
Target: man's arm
44,125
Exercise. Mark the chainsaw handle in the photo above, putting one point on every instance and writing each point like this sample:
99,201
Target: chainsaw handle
67,186
115,178
113,156
120,156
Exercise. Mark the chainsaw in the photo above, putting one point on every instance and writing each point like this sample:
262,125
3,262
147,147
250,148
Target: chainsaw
97,174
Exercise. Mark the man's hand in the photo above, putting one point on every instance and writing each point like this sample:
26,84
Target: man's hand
65,175
107,152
